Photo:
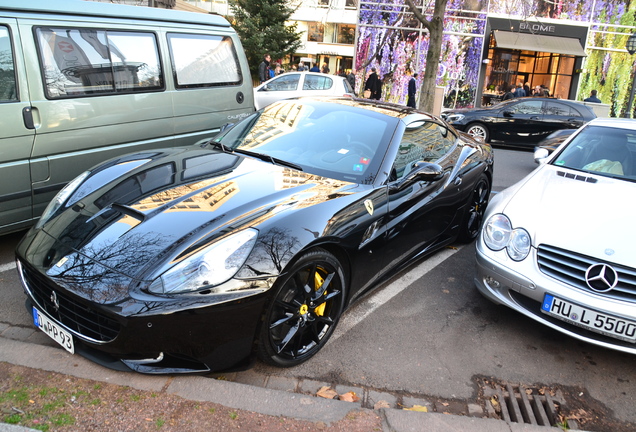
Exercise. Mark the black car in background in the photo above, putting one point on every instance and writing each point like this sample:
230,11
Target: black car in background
520,122
198,259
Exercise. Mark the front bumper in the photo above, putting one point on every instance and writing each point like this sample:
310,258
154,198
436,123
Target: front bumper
167,336
522,286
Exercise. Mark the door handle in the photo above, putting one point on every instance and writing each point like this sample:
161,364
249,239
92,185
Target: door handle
457,181
534,118
27,116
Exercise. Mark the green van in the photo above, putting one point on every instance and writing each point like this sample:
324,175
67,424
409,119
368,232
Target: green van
81,82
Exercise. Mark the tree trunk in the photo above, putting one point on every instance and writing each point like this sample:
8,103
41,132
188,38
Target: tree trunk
435,29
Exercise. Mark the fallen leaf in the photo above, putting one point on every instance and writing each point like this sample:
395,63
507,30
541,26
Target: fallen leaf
349,397
445,291
445,403
327,393
528,391
31,401
418,408
495,403
381,404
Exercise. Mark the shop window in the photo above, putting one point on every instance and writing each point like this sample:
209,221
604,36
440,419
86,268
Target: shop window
346,34
85,61
315,32
8,89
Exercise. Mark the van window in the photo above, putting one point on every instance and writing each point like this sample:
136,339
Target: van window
8,91
80,62
204,60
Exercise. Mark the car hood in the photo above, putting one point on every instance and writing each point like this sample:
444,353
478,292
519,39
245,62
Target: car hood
180,200
583,213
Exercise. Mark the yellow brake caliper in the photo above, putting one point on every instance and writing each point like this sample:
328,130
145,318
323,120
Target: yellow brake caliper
320,310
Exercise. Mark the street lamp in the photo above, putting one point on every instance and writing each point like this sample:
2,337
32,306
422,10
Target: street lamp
631,49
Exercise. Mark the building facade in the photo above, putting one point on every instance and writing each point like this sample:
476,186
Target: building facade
568,47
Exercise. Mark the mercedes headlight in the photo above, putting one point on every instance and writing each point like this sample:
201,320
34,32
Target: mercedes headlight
499,234
209,267
455,117
61,197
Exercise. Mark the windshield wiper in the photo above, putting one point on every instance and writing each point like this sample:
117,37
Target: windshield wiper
271,159
221,146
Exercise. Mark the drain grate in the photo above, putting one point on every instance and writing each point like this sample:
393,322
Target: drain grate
521,404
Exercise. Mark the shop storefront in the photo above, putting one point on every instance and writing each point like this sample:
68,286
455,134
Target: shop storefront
544,55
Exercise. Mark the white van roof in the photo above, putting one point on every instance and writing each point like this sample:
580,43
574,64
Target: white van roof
110,10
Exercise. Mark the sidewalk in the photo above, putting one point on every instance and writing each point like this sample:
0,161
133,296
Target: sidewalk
242,396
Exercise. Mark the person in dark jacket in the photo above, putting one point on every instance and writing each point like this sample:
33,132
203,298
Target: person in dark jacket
351,77
374,85
263,69
410,101
509,94
593,98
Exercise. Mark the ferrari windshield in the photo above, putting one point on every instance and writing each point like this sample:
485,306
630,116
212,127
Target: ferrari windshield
602,150
334,140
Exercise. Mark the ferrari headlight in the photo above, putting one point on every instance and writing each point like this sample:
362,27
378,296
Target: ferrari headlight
61,198
209,267
499,234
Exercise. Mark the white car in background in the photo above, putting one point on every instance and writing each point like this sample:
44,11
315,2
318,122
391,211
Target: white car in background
560,245
297,84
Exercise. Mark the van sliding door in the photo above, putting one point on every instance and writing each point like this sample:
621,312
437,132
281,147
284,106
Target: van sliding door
17,132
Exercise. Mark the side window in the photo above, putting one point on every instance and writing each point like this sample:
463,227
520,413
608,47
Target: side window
528,107
204,60
81,62
283,83
8,89
313,82
422,141
559,109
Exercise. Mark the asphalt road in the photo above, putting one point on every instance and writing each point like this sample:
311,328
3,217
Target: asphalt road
429,333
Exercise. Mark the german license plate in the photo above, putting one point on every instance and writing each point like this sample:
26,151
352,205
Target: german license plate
590,319
53,330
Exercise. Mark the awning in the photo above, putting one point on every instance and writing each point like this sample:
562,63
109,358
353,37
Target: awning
535,42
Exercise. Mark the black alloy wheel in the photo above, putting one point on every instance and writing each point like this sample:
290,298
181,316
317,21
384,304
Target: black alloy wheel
304,311
474,216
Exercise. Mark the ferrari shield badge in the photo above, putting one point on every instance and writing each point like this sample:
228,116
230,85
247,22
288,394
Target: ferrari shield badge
369,206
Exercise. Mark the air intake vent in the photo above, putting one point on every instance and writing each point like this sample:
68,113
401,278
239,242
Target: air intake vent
577,177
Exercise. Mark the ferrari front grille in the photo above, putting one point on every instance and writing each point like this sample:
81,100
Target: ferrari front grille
78,317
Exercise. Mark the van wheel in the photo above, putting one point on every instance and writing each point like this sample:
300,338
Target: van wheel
304,311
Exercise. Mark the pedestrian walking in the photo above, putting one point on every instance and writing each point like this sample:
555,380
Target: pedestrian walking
373,85
410,101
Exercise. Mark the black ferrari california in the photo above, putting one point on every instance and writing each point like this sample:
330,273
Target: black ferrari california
252,244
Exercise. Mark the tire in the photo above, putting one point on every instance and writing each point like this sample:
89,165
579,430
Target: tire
474,216
304,310
478,131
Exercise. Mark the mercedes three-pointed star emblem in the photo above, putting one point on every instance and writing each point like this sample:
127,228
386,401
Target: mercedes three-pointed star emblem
601,277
